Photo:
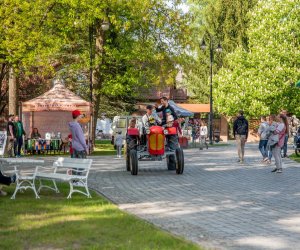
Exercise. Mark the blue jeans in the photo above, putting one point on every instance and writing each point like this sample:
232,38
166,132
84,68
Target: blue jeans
286,138
18,145
263,148
119,150
78,154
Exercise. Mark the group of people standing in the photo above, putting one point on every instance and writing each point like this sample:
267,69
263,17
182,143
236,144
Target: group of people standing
199,130
273,132
15,132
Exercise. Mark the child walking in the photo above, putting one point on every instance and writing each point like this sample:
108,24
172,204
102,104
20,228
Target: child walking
203,135
119,143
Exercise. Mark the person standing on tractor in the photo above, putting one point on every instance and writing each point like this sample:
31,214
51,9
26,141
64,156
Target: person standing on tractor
165,108
169,116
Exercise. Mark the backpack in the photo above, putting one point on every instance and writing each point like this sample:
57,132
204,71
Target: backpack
241,127
273,140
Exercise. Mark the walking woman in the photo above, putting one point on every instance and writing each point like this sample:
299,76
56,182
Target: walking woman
203,135
281,127
272,125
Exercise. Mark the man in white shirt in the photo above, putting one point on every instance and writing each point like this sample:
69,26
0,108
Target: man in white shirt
150,119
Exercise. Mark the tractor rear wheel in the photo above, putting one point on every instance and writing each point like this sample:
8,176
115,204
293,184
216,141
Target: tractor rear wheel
133,162
179,161
128,161
171,164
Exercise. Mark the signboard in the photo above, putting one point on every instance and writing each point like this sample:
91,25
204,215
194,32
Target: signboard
3,138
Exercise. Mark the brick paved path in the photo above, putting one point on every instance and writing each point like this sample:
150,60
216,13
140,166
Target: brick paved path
217,202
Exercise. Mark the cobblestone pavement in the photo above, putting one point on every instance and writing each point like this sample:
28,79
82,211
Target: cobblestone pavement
217,202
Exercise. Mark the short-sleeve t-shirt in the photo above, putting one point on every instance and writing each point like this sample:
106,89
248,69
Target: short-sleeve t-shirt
10,123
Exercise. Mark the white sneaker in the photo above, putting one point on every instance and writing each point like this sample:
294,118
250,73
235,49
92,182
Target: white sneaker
78,184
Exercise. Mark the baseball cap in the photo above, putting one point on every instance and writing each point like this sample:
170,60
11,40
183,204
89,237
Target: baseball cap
76,113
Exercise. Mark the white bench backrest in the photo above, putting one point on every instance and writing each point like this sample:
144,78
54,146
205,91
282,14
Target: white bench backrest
73,163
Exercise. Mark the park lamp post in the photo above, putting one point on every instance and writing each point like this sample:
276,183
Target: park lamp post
211,53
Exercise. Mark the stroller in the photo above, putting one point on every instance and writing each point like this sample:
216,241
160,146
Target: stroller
297,142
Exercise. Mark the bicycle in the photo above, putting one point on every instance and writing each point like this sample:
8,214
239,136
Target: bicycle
296,144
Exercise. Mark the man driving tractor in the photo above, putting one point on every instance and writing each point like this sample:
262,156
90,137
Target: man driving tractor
150,119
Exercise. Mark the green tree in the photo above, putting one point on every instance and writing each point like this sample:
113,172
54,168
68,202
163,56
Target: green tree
260,79
141,47
224,21
28,39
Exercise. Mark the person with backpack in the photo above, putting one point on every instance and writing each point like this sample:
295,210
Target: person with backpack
240,133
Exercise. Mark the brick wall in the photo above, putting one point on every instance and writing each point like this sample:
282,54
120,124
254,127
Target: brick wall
51,121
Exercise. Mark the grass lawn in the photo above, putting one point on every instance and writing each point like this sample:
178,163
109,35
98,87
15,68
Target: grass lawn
104,147
53,222
294,157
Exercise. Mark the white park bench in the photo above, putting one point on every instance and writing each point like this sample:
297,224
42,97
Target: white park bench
72,170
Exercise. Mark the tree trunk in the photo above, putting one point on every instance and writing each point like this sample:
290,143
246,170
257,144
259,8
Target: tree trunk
3,87
96,114
12,93
97,74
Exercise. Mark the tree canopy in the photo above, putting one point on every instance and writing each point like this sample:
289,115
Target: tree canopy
223,21
142,46
261,79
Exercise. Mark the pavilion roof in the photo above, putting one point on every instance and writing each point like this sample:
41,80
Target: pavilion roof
59,98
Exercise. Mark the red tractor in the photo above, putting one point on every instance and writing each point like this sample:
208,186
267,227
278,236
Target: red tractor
161,143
